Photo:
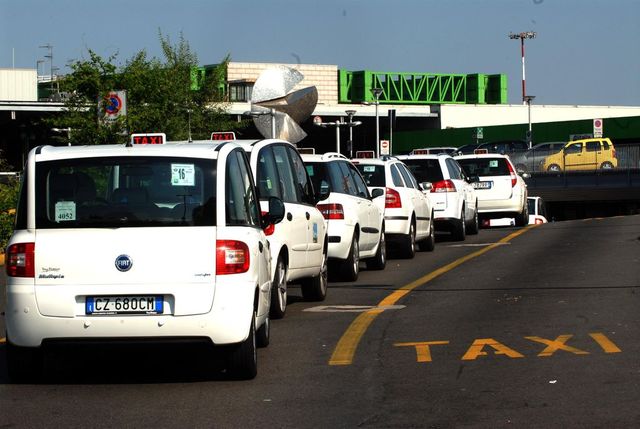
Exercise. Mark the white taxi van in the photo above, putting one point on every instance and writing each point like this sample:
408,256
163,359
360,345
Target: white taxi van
135,242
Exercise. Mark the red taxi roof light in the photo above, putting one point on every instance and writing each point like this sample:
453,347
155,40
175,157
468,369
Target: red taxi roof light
392,199
443,186
331,211
232,257
20,261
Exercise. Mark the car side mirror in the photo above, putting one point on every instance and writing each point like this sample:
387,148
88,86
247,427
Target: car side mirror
377,192
275,213
524,174
322,194
426,186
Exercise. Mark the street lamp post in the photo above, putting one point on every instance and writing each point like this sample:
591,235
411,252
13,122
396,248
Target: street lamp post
351,124
376,93
528,99
49,46
522,36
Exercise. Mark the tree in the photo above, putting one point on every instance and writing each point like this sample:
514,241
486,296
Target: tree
159,97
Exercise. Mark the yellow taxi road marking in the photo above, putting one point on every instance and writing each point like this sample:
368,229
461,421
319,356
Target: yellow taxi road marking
482,347
348,344
607,345
3,340
477,244
555,345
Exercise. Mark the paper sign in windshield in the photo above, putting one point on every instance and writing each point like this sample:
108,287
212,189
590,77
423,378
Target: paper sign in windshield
493,163
65,211
183,175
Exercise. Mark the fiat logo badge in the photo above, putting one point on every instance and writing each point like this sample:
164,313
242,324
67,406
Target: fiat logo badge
123,263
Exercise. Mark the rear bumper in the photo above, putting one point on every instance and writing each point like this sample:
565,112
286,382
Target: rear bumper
227,323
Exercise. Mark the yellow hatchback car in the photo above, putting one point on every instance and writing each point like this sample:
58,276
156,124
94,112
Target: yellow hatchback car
585,154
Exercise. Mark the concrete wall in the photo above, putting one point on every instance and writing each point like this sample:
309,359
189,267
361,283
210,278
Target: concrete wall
18,85
323,77
480,115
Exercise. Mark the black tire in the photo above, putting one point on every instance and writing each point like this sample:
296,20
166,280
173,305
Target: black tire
429,244
24,364
474,227
554,168
459,232
379,261
263,334
315,288
279,291
409,242
242,359
350,267
522,219
606,165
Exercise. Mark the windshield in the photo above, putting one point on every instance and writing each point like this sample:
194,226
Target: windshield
125,192
373,174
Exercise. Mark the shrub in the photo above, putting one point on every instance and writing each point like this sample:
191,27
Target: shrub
8,201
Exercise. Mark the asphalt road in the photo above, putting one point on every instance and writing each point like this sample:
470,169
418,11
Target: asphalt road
535,327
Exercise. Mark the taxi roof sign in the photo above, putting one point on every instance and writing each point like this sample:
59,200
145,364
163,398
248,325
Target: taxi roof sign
148,138
365,154
420,152
307,150
223,135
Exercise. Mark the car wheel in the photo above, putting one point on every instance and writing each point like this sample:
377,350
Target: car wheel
459,232
522,219
351,266
24,364
554,168
409,248
242,359
263,334
474,227
429,244
606,165
379,261
279,291
315,288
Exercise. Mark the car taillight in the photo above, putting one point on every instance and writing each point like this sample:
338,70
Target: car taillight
512,173
443,186
20,260
232,257
331,211
270,229
392,199
613,152
539,221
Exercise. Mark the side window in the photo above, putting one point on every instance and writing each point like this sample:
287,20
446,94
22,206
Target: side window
395,176
288,180
305,187
408,178
605,145
361,187
454,169
241,203
574,148
348,182
267,174
336,178
593,146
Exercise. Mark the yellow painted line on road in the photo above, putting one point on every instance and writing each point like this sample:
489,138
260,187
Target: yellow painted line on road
3,340
347,345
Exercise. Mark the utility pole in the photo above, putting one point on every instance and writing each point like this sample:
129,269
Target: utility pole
522,36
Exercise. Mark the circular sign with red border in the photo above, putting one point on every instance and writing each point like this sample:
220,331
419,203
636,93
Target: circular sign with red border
113,104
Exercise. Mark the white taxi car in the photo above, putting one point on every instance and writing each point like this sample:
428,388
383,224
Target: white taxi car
454,199
160,242
501,192
299,242
408,213
356,223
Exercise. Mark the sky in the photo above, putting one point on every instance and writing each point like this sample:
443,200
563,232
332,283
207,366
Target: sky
587,52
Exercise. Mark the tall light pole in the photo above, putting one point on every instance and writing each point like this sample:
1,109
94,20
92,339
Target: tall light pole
351,124
528,99
376,93
49,46
522,36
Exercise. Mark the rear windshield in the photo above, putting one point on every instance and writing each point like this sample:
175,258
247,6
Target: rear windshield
485,166
125,192
425,170
373,174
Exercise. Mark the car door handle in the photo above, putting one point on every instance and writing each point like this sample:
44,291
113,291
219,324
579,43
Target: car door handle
307,215
260,246
289,216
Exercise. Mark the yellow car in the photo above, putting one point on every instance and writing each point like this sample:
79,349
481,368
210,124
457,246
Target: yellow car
585,154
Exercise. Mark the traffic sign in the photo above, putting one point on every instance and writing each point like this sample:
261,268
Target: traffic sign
597,128
479,134
115,105
385,148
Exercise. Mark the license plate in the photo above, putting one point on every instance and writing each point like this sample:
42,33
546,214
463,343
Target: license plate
482,185
124,304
